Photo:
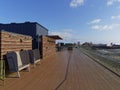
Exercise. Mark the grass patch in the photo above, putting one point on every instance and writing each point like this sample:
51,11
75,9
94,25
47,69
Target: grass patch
2,69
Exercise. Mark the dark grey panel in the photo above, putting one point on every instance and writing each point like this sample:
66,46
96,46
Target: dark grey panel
12,61
36,53
40,30
24,57
31,56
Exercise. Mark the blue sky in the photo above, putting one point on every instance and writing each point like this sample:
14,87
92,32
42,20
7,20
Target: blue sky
96,21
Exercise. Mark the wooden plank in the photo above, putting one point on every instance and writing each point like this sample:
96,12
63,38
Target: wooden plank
83,74
14,42
48,48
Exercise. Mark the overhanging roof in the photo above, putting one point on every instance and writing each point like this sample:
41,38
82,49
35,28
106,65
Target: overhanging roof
55,37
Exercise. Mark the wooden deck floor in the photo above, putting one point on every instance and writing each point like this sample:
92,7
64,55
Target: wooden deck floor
67,70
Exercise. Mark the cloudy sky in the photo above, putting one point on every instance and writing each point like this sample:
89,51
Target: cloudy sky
96,21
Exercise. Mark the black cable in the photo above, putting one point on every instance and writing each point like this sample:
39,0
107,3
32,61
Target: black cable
67,69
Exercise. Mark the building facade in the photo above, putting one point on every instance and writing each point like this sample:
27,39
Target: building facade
13,42
40,38
33,29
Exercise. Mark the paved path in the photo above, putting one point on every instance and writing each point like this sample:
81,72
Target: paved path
66,70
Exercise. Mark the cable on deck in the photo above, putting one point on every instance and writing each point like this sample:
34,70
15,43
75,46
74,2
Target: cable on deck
67,69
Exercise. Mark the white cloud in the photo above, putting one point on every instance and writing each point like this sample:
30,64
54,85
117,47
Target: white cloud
106,27
115,17
76,3
110,2
95,21
68,35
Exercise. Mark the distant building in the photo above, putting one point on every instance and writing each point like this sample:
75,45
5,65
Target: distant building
69,44
87,44
100,46
115,46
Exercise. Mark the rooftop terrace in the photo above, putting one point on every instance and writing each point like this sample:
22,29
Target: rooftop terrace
66,70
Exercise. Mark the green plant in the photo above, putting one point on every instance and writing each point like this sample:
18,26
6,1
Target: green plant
2,69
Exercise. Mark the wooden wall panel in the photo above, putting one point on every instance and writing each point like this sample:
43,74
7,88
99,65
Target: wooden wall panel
48,46
13,42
